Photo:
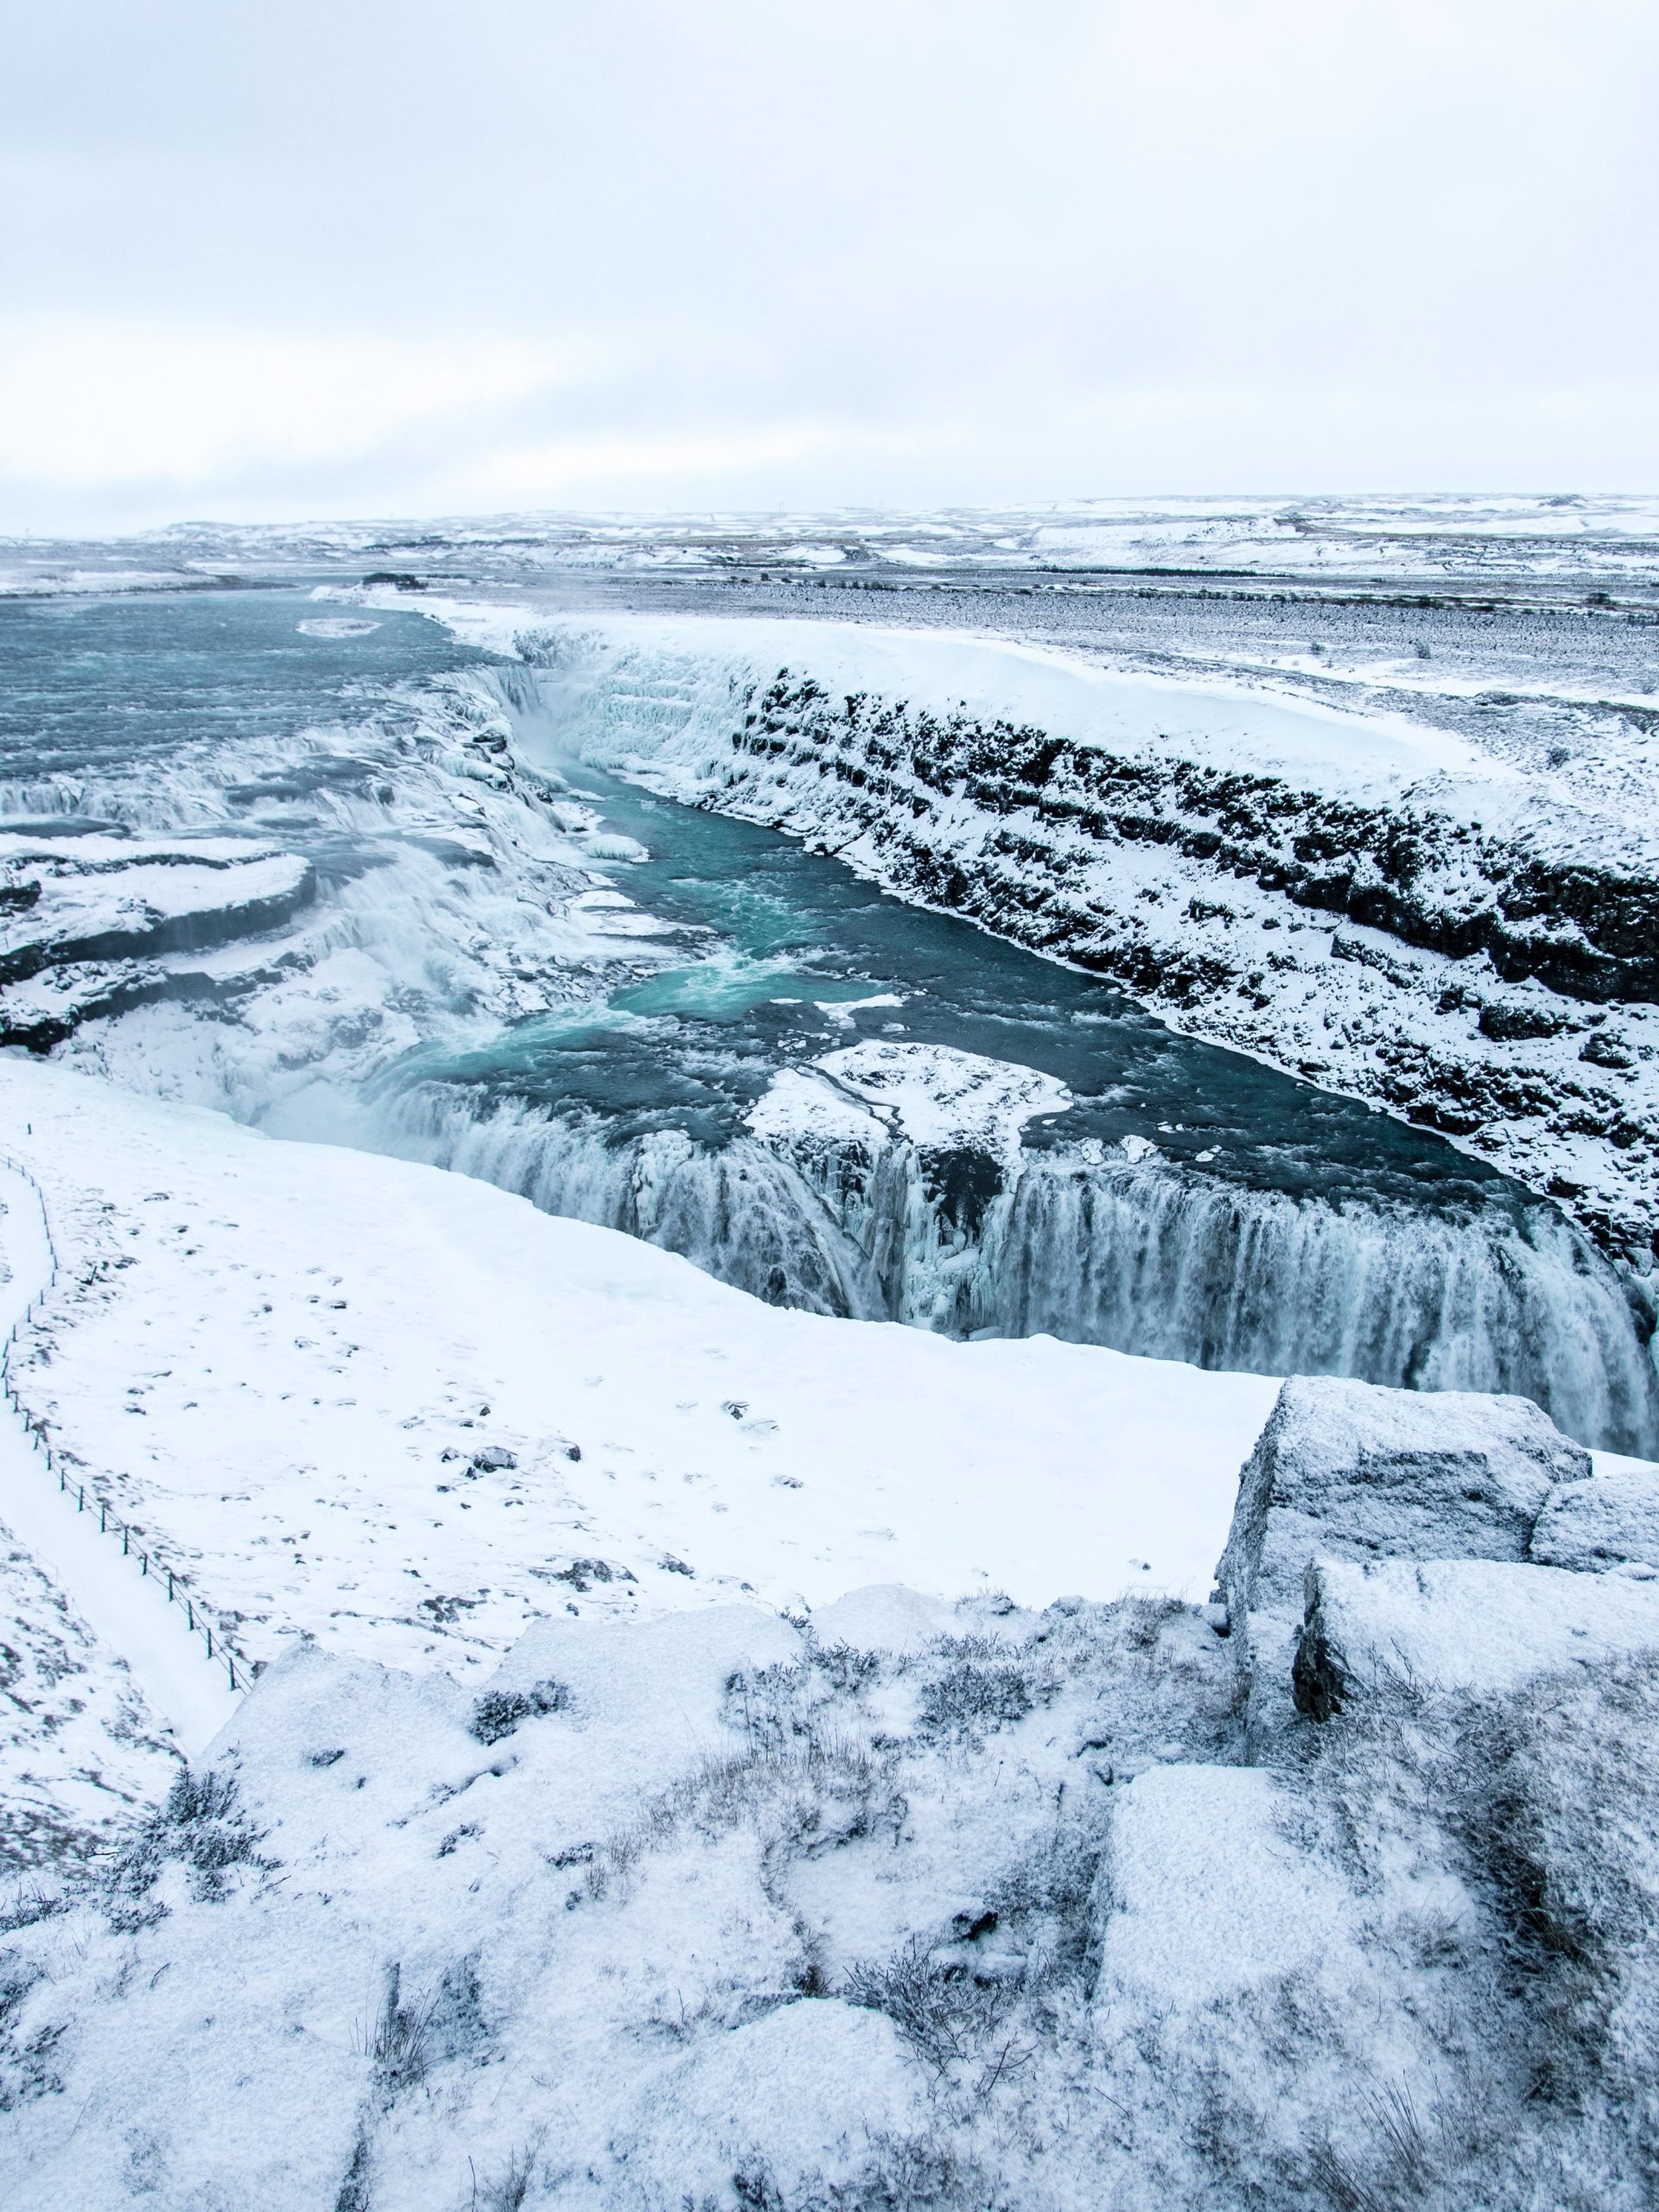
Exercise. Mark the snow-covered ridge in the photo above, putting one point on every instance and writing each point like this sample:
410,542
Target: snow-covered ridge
1396,916
1513,541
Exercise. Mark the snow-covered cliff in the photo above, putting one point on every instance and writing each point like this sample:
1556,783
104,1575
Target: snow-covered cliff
1376,904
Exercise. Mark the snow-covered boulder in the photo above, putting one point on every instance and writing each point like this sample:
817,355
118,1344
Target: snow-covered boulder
1346,1470
1611,1520
1205,1892
1476,1625
786,2102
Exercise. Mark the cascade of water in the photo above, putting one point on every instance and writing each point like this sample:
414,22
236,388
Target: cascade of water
1500,1300
1141,1258
442,922
739,1214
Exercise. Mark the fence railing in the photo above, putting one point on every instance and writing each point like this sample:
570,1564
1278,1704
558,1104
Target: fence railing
219,1651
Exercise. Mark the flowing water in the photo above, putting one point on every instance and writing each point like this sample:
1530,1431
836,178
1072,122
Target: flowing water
1188,1203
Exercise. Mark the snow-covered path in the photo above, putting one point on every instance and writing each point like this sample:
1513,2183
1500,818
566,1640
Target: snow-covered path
125,1612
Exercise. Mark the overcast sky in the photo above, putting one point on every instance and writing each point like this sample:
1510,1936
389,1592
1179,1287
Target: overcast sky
272,258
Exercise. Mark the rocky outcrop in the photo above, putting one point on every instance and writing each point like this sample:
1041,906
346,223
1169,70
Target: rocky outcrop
1428,1541
94,924
1348,1472
1610,1520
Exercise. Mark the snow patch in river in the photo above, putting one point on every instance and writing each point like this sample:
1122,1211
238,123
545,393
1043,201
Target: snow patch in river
945,1100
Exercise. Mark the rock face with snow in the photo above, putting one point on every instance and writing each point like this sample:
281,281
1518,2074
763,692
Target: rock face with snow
1367,1473
1460,1624
1611,1520
1376,907
94,924
1346,1471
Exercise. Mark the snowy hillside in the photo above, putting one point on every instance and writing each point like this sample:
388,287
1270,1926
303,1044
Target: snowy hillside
549,1862
406,1413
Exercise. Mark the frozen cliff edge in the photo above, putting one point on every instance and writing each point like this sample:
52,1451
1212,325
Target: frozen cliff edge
1375,905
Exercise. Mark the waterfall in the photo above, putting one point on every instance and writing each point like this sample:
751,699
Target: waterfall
1501,1298
1145,1258
739,1214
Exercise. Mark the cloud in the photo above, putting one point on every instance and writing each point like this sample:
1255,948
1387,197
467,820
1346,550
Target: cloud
270,260
90,400
574,468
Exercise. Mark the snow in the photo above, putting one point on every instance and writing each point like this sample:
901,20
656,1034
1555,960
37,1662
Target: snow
630,1892
1480,1626
283,1371
911,1893
81,1749
147,1637
99,897
1423,540
797,1103
943,1099
1208,1895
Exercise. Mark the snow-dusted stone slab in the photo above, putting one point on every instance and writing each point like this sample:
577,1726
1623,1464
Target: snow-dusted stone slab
93,926
801,2091
1611,1520
1480,1625
1205,1893
1347,1471
106,899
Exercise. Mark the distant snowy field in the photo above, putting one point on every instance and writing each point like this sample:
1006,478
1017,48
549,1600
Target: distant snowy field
1506,538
